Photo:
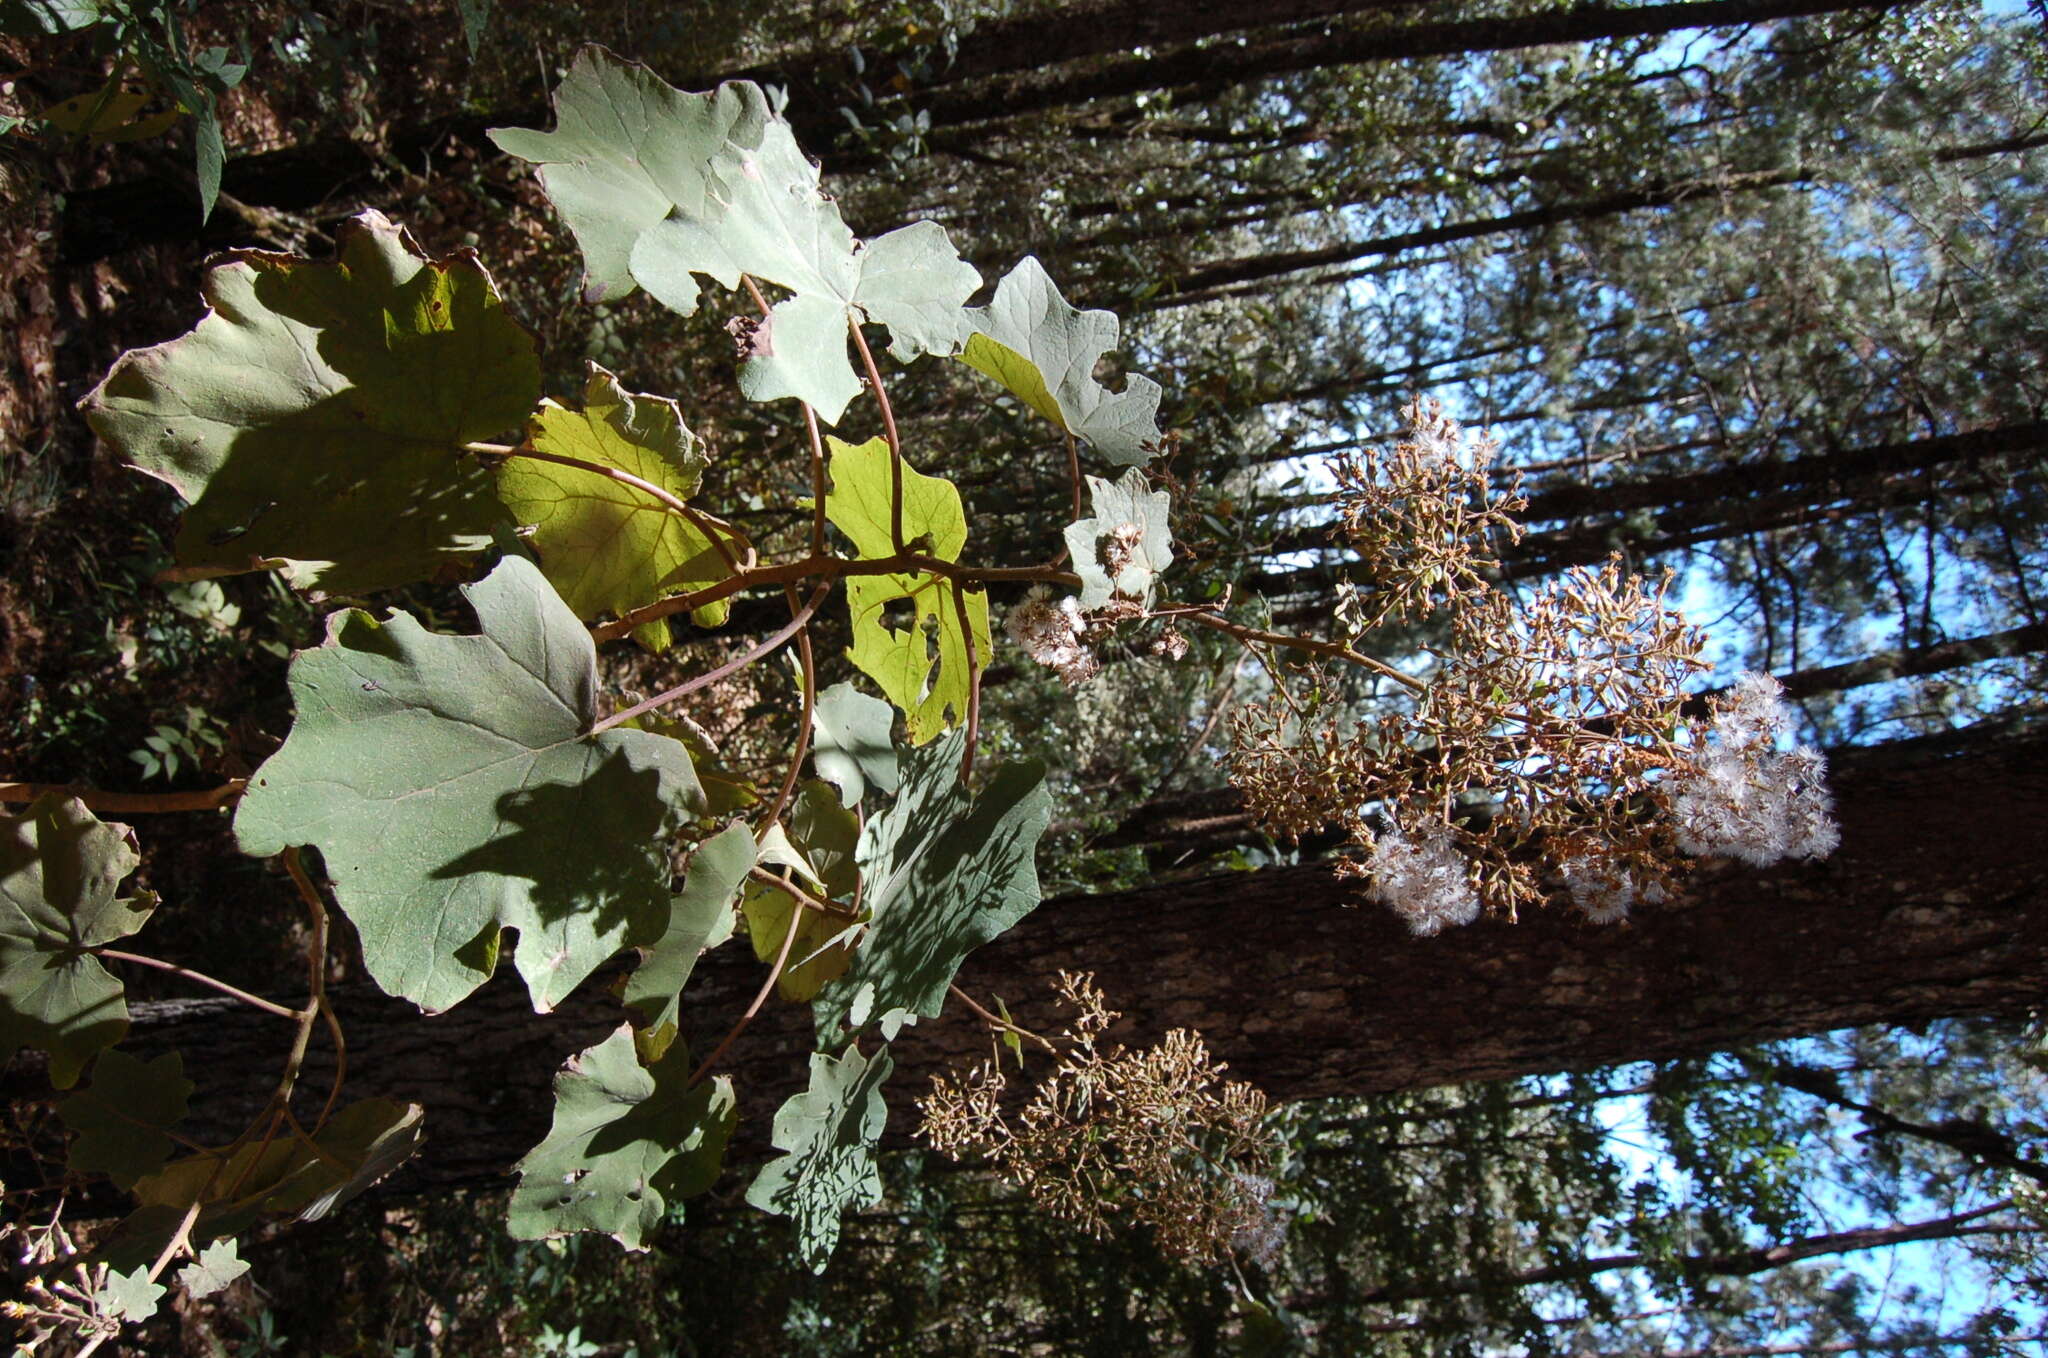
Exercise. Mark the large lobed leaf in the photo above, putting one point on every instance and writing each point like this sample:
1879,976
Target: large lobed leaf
123,1118
604,545
453,790
1045,352
314,418
929,684
830,1131
945,872
59,869
661,186
627,1141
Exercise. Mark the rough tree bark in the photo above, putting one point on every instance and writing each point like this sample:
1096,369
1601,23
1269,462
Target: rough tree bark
1936,904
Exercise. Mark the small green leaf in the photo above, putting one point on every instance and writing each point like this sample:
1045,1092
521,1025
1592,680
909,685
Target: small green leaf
946,871
824,835
314,419
129,1296
604,545
830,1131
627,1141
1045,353
217,1266
59,869
851,745
1125,546
699,917
453,790
476,21
930,688
122,1117
210,155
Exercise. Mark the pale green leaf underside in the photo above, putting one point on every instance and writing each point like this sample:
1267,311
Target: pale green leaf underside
217,1266
662,186
59,869
830,1131
1124,508
945,872
926,679
628,149
1045,352
608,547
314,418
627,1142
452,791
851,747
130,1296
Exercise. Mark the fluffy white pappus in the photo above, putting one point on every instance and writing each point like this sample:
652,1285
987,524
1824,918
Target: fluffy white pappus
1744,798
1265,1234
1426,881
1051,634
1604,892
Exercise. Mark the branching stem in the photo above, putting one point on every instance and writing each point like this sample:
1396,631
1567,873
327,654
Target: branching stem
129,803
689,686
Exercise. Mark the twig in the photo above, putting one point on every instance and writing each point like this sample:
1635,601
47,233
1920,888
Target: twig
888,432
198,978
128,803
712,527
995,1021
803,733
760,998
690,686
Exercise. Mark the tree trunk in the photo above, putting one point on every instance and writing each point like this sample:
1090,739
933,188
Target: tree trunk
1221,278
1936,904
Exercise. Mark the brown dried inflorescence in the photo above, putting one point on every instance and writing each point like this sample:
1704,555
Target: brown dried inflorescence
1541,751
1423,516
1156,1135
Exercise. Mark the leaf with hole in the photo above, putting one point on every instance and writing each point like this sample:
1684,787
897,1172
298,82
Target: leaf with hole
830,1132
627,1142
314,419
454,790
921,666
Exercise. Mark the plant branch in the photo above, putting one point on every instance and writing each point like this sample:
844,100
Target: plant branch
198,978
128,803
888,432
689,686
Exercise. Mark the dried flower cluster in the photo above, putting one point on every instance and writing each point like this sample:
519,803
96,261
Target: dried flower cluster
1157,1135
1742,797
1052,634
1535,750
1423,515
1548,748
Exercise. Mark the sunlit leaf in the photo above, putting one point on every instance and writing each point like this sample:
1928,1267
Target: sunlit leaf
315,417
927,679
608,547
830,1131
217,1266
851,746
826,835
59,869
684,185
129,1296
1128,542
453,792
628,1141
1045,353
627,150
945,872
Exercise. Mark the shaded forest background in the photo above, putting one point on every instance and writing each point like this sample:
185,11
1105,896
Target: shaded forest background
1746,288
